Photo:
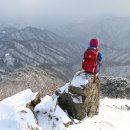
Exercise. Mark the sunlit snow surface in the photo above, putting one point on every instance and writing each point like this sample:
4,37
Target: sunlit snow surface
80,79
13,112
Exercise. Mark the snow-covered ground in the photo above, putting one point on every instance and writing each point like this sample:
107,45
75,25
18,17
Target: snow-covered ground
50,116
14,115
114,114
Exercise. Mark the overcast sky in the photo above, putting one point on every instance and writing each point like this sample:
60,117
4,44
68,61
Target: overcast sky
63,7
36,9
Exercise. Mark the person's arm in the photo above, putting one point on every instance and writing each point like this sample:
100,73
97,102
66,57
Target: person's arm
100,56
84,54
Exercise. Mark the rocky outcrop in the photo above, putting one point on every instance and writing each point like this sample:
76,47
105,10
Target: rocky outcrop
31,105
35,47
50,116
115,87
82,97
74,110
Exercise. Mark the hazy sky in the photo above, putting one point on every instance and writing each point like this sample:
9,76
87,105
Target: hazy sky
36,9
63,7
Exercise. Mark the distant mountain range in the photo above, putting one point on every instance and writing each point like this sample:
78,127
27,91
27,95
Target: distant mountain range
35,47
112,31
43,60
114,35
63,50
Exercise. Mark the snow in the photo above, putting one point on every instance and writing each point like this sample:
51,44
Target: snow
8,58
80,79
22,98
13,112
6,120
4,32
63,89
113,114
14,115
111,117
78,99
50,115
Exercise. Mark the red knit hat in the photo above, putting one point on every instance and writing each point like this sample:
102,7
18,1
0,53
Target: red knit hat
94,42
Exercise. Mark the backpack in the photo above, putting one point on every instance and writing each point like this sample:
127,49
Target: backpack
90,61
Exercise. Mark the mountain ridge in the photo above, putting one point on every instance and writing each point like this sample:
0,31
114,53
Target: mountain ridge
32,46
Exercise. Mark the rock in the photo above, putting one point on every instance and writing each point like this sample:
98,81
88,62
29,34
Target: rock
115,87
75,110
82,98
128,107
68,124
50,115
34,102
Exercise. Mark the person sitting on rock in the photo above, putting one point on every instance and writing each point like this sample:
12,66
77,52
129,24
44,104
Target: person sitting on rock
92,57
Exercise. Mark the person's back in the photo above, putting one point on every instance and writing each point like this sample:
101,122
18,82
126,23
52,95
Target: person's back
92,57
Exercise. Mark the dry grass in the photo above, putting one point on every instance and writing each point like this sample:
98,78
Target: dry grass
35,79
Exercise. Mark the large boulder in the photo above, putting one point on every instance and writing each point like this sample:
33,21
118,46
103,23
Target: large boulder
74,109
81,98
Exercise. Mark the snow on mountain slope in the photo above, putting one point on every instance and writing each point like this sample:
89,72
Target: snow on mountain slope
32,46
